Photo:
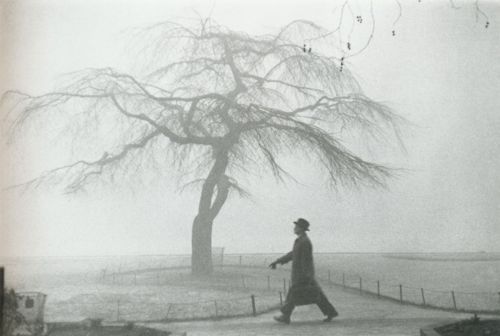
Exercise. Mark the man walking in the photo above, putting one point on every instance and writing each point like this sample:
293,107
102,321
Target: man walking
304,288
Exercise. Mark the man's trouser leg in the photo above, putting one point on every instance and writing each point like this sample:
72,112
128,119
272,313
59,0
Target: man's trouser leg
325,306
289,305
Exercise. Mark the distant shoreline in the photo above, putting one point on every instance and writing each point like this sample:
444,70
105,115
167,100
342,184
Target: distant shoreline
476,257
481,256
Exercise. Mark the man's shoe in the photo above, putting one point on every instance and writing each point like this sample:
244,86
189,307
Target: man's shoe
282,319
330,317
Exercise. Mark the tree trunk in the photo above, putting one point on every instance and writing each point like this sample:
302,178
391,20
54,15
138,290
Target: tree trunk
201,259
217,184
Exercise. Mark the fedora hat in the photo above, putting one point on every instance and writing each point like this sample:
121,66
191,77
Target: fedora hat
302,223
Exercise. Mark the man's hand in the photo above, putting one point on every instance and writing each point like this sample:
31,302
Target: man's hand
273,265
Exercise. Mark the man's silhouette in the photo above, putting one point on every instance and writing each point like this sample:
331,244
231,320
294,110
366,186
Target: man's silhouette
304,288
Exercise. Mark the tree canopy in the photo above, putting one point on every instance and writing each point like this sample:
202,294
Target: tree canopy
204,89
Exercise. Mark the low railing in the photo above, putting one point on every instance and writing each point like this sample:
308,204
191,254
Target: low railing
451,300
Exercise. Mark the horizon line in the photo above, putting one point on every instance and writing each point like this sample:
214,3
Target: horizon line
235,254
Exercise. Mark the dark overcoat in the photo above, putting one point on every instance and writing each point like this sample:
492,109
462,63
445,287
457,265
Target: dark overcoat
304,289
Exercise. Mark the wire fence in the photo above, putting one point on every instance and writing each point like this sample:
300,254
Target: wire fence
272,291
459,301
139,295
452,300
150,291
137,310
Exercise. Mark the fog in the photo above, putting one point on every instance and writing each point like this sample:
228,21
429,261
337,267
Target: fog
440,71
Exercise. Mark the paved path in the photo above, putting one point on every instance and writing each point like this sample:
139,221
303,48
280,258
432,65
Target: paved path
359,315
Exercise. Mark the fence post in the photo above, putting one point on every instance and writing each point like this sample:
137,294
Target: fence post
284,286
216,310
254,311
454,301
168,311
423,296
281,299
401,293
360,285
268,282
240,259
118,310
378,288
343,280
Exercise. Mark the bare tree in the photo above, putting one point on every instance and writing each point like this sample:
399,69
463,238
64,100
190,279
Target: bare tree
221,104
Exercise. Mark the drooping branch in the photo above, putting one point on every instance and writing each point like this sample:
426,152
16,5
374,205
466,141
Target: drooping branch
296,129
370,37
77,174
479,11
341,165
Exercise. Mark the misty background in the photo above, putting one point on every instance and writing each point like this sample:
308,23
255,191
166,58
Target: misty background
440,71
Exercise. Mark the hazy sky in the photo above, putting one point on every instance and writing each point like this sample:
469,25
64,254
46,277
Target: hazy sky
441,71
